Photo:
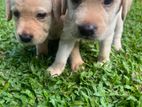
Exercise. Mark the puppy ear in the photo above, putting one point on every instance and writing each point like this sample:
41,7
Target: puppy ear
8,10
59,8
126,4
64,6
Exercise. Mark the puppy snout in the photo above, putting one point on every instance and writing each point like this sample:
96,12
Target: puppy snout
26,37
87,30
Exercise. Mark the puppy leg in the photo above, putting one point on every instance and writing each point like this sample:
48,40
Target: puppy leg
42,48
64,50
105,49
75,58
118,34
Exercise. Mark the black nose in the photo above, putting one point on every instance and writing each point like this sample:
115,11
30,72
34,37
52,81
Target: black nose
26,37
87,30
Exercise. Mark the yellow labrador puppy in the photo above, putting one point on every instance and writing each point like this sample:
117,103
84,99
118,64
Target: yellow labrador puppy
36,21
90,19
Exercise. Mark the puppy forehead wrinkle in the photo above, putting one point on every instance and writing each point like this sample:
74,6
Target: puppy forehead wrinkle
85,11
32,4
92,1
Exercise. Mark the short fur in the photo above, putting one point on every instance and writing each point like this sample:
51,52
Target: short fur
108,21
42,30
49,27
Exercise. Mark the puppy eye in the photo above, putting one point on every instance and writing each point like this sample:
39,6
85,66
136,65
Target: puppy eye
41,15
76,1
16,13
107,2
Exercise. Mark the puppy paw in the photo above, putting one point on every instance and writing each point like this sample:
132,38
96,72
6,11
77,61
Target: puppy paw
77,64
56,69
117,46
42,52
41,49
102,59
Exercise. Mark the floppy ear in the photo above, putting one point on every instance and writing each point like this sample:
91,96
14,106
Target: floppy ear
59,8
8,9
126,4
63,6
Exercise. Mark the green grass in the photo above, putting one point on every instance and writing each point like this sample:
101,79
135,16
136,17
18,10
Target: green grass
24,82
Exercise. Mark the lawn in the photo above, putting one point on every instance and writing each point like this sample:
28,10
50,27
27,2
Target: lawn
24,81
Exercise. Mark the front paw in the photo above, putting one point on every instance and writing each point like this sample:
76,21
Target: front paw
103,59
42,49
56,69
117,46
77,64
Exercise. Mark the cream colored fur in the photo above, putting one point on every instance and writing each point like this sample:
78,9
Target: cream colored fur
108,20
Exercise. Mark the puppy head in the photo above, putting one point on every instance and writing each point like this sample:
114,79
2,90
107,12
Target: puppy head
32,18
93,19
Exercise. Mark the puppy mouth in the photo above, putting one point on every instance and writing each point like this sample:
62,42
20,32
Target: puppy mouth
32,42
88,37
26,43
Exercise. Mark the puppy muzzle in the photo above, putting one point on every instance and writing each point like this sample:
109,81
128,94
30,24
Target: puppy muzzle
87,31
26,38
